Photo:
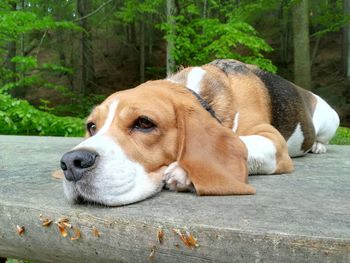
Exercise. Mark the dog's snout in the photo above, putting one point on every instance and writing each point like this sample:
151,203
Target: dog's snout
75,163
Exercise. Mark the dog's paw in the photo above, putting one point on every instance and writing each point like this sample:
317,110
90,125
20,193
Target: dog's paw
318,147
176,178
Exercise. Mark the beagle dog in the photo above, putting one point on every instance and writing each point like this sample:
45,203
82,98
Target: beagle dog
203,129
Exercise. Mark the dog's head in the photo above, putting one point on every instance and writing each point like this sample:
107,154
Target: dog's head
135,134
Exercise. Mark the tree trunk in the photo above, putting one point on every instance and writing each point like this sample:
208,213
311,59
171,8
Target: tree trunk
346,42
205,9
87,62
150,41
133,39
170,60
22,36
142,51
11,52
285,34
301,39
59,15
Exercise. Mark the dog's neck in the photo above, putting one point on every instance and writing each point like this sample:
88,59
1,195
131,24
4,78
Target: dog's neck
211,86
205,105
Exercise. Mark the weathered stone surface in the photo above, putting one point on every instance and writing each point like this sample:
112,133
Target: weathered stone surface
302,217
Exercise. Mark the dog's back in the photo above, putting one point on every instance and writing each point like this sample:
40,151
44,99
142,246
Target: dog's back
304,119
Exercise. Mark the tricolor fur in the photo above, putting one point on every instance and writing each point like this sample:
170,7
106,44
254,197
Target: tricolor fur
158,134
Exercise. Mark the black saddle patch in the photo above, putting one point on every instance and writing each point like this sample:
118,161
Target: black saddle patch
286,102
230,66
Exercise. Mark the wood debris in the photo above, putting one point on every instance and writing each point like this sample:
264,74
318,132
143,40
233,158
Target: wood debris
152,255
58,174
62,224
77,234
45,221
187,238
95,232
20,230
160,235
62,230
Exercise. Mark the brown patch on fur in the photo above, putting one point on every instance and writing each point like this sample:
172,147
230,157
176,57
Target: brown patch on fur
215,89
158,147
214,158
98,116
252,102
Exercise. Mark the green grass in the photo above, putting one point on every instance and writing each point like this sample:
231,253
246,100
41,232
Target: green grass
342,137
11,260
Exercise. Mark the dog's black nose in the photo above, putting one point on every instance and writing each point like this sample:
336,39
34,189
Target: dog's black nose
75,163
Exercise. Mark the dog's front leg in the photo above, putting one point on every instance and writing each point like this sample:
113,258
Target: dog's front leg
176,179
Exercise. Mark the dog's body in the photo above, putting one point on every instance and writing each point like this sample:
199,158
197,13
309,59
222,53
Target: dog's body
258,105
235,120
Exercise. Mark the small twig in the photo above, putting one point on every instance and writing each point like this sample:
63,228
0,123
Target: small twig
314,52
93,12
41,42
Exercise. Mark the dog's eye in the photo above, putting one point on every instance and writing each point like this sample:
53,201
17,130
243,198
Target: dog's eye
91,127
144,124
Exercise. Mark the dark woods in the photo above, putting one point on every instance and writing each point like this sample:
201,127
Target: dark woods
65,56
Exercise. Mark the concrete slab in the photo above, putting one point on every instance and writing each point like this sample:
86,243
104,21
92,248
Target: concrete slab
302,217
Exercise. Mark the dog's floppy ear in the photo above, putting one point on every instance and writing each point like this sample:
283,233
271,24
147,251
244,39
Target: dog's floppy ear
214,158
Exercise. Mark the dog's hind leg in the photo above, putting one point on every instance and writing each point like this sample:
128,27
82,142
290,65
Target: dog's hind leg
326,122
267,151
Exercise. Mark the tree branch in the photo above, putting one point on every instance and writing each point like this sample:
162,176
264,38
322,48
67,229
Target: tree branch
93,12
41,42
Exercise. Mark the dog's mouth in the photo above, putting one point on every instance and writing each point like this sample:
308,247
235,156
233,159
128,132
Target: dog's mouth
99,187
81,200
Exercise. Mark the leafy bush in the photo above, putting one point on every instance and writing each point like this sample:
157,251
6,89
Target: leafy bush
342,136
19,117
199,40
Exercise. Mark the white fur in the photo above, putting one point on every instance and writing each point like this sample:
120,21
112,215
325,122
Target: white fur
235,122
171,80
176,178
295,142
261,154
326,122
194,79
318,147
115,180
111,112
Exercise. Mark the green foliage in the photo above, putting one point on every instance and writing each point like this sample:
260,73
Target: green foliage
198,39
342,136
327,16
29,73
80,105
11,260
132,10
16,24
19,117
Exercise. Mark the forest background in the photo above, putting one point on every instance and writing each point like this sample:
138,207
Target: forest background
59,58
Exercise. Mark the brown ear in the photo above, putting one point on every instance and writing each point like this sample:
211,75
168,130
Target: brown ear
214,158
